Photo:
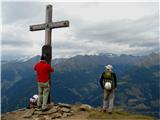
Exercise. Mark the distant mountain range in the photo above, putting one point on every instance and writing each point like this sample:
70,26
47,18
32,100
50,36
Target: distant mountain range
76,80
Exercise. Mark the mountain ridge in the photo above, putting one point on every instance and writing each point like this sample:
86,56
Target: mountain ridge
83,72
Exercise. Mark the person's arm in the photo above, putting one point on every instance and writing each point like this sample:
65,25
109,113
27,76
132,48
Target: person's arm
50,68
115,79
101,80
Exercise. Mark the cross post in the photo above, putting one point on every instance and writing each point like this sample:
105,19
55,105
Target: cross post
48,26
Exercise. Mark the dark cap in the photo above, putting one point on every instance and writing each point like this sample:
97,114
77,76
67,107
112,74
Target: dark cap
43,57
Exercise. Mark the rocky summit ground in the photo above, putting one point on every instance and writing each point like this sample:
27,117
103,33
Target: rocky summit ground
63,111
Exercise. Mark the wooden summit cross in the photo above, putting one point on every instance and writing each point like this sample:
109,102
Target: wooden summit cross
48,26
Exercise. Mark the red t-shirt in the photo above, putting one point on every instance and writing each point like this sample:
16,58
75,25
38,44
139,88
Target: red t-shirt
43,69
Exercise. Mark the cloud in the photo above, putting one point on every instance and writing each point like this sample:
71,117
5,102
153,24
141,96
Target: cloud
142,32
15,11
130,28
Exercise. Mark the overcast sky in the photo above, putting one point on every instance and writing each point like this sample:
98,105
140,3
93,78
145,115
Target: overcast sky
119,28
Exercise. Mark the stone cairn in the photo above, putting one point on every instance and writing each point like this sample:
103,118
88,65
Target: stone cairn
55,111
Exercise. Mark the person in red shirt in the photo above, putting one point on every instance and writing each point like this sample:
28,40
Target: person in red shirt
43,70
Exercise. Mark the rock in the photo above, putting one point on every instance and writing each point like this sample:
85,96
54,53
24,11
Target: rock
85,107
56,115
48,118
35,118
23,109
57,107
50,105
72,111
35,115
65,110
56,111
67,114
37,112
53,110
64,105
41,118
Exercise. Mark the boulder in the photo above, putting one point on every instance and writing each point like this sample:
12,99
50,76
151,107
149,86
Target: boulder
67,114
51,111
85,107
56,115
64,105
65,110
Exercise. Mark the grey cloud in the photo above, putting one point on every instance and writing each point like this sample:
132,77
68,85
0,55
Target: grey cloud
135,33
141,35
14,11
15,41
142,32
62,45
67,45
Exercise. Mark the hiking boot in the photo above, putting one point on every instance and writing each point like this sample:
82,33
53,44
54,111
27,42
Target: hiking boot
104,110
38,108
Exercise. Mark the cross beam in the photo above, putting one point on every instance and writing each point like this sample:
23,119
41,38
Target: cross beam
51,25
48,26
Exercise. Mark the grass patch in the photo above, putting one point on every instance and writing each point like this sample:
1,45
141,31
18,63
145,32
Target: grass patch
93,114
